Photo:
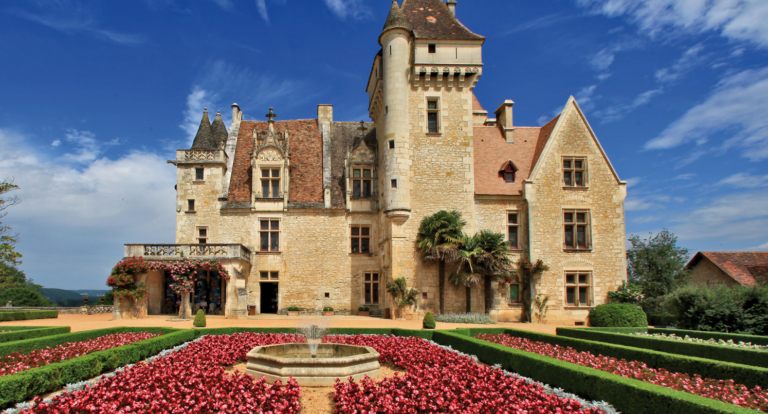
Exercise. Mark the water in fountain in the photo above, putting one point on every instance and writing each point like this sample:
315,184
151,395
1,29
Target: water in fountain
313,330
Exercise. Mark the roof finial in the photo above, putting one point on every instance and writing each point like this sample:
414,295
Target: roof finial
362,128
271,115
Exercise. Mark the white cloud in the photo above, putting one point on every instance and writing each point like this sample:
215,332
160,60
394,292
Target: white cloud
77,20
690,59
348,8
688,176
74,221
603,59
197,101
227,5
639,203
617,112
734,19
745,180
261,6
726,217
56,143
763,246
736,110
631,182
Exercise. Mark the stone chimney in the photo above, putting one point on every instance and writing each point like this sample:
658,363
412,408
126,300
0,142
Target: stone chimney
452,6
237,114
325,122
504,119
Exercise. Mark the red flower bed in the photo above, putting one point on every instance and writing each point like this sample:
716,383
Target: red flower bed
724,390
440,381
191,380
18,361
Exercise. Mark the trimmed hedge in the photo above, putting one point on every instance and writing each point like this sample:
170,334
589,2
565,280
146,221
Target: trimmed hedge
755,339
28,332
627,395
22,315
707,368
28,384
744,356
618,315
28,345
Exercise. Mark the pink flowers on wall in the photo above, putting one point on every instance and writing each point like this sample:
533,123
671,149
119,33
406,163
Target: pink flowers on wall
17,361
723,390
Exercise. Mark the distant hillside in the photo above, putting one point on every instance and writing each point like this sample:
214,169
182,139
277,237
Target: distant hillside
92,293
63,297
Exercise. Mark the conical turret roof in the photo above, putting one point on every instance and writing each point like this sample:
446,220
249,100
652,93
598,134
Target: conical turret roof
204,138
220,132
396,19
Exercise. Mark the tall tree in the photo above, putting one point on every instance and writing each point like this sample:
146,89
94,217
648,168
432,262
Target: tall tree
10,276
437,242
657,263
466,274
8,240
482,257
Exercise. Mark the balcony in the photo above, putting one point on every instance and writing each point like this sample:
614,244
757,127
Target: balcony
200,156
158,252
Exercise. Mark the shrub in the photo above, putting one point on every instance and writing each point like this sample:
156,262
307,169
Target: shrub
23,296
21,315
478,318
293,308
199,321
720,309
327,309
618,314
18,333
363,309
429,321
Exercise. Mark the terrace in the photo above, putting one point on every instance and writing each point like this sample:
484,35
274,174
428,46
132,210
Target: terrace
158,252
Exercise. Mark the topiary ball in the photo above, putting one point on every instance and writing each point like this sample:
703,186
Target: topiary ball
429,321
618,315
199,321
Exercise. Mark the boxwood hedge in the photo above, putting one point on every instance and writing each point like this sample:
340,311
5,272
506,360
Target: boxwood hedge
743,356
755,339
28,332
627,395
707,368
21,315
28,384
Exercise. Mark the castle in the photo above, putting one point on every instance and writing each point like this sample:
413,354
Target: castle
319,213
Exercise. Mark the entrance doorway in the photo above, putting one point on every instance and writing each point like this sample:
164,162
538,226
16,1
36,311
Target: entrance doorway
209,287
269,298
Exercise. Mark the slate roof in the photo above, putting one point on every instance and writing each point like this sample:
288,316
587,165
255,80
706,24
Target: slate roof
746,268
204,137
396,19
219,131
492,152
431,19
345,137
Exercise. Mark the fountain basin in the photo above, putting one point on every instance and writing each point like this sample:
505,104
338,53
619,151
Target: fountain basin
280,362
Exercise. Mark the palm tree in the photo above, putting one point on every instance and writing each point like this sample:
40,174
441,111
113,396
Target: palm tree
493,260
467,274
437,241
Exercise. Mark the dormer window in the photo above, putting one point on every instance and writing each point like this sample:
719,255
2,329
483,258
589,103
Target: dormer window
507,172
270,182
361,182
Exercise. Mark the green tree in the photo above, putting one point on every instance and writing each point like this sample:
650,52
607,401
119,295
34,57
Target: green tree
10,276
437,242
8,240
23,296
484,256
467,274
657,263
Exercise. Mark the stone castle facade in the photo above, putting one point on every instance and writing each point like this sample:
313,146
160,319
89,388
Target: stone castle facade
320,213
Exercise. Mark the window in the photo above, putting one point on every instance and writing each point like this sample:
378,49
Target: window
199,174
514,293
432,117
190,205
361,182
371,288
268,275
577,288
202,235
424,295
361,239
575,172
270,235
270,182
394,183
512,230
577,234
507,172
391,144
432,48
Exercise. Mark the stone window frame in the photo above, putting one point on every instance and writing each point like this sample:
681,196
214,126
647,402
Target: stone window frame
199,174
371,283
202,235
271,179
572,281
272,232
519,300
570,172
574,224
268,275
191,205
360,237
437,111
362,180
516,225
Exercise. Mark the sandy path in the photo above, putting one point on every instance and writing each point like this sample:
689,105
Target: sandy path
89,322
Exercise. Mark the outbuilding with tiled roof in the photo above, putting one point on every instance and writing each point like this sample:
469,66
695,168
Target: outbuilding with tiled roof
729,268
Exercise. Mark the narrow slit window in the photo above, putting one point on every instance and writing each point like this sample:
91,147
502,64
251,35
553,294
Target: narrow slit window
513,227
433,117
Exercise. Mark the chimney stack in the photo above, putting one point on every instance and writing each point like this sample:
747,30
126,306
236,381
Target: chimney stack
504,119
452,6
237,114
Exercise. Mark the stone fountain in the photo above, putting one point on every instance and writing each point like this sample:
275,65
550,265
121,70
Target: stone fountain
313,364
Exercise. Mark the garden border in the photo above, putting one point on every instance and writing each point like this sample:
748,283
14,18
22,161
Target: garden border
19,333
23,315
744,356
27,384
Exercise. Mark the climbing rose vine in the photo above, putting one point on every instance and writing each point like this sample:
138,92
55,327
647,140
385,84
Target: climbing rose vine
183,272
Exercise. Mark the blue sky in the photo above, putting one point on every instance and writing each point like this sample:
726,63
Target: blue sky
96,95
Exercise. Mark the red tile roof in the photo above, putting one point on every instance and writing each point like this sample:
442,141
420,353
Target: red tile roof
305,148
476,103
492,152
747,268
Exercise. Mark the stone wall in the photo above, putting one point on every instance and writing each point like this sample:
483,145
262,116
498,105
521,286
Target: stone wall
707,273
604,198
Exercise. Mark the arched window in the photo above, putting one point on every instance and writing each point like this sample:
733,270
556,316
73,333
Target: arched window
507,171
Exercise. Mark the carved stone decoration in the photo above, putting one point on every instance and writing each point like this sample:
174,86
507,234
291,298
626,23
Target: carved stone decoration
200,155
270,154
161,250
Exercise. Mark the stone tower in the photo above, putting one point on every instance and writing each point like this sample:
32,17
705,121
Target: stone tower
420,95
